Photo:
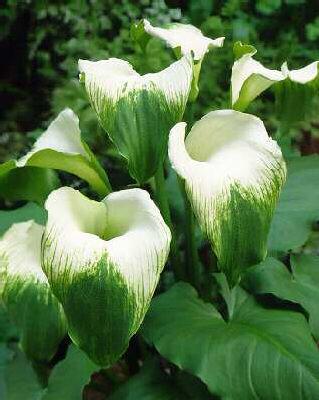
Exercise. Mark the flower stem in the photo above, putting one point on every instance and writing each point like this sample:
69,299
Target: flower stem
163,204
192,259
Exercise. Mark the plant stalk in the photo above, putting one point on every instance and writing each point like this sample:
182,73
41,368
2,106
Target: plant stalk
163,204
192,259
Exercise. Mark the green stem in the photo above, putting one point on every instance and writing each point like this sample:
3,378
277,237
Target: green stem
163,204
192,259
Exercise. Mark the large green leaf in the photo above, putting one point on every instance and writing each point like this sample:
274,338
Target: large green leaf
298,206
258,354
301,286
70,376
20,380
149,384
28,183
152,383
25,213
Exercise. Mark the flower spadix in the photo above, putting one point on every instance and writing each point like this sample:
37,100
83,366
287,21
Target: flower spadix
138,111
59,147
103,261
26,293
185,39
294,88
233,175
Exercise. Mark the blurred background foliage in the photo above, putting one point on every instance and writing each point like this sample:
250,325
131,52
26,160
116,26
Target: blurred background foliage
41,42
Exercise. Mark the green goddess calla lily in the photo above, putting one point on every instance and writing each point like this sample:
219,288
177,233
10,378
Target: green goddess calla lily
26,293
185,39
233,175
138,111
103,261
61,147
294,88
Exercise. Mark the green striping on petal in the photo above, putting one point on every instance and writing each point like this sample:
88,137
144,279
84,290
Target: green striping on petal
103,261
233,175
26,293
138,111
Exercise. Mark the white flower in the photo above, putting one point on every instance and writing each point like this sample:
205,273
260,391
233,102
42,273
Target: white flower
103,261
26,293
61,147
138,111
233,175
250,78
185,37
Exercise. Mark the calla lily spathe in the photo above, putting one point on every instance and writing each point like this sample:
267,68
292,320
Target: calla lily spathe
26,293
103,261
233,175
61,147
250,78
185,39
138,111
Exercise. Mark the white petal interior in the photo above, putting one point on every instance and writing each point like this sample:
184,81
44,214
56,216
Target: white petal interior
126,226
245,67
223,145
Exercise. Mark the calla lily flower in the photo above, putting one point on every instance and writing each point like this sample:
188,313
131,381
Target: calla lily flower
26,293
250,78
103,261
185,39
138,111
61,147
233,175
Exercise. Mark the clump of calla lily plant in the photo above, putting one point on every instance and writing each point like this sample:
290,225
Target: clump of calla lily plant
88,273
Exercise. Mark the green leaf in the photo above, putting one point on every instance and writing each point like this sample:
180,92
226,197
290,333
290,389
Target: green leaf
28,183
69,377
20,380
300,286
298,205
236,359
24,213
149,384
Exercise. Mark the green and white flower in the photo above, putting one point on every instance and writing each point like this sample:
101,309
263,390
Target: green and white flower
138,111
249,79
233,175
294,88
103,261
61,147
185,39
26,293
